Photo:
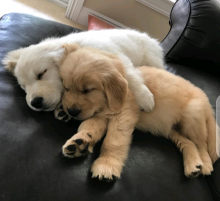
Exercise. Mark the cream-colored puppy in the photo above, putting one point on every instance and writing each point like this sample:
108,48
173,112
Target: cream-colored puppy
97,92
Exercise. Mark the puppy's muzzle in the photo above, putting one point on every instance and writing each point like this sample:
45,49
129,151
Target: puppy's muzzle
73,112
37,102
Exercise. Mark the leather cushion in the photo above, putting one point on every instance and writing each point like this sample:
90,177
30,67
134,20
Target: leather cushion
32,167
26,30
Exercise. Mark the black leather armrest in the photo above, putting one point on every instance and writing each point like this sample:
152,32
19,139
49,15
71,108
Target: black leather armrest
24,30
194,36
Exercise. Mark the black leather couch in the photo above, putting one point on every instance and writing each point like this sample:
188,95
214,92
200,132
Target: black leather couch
32,167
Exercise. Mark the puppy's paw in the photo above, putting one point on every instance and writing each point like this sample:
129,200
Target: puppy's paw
60,114
207,169
193,170
145,100
79,145
105,170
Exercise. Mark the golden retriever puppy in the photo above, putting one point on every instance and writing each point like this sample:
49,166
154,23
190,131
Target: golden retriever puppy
97,92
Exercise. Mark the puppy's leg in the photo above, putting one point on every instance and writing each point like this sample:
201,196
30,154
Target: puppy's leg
191,159
82,143
60,114
194,127
114,150
197,133
207,167
144,97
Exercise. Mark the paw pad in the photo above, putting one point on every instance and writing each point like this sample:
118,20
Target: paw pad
113,178
79,141
66,118
195,172
71,148
60,114
75,148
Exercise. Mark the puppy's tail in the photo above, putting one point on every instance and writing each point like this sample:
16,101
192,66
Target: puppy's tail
213,138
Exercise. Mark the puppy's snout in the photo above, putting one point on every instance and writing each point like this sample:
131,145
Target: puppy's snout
37,102
73,112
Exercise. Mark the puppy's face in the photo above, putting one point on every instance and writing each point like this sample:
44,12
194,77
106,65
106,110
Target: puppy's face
93,83
37,73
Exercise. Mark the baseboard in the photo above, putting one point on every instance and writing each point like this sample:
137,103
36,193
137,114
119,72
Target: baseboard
162,6
59,3
83,18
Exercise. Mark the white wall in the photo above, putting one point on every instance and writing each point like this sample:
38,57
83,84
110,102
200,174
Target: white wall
132,14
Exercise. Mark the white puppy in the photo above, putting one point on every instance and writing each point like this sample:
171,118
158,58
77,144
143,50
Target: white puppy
36,66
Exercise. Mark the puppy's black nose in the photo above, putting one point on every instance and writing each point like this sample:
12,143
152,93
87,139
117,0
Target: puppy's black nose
37,102
73,112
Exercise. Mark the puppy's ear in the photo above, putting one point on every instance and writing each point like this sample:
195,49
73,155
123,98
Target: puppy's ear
70,48
10,60
116,89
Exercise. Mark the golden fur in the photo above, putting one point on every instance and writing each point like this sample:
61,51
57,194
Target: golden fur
95,84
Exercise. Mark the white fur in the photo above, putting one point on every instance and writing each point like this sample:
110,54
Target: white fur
134,49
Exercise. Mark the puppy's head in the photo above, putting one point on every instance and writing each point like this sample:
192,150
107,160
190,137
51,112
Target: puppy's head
93,82
36,69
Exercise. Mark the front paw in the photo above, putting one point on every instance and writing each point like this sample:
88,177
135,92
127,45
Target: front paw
60,114
106,169
79,145
146,100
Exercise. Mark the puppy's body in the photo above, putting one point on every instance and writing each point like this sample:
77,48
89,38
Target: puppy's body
36,66
182,112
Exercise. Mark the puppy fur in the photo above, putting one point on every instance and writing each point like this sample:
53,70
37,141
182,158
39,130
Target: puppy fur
43,60
95,84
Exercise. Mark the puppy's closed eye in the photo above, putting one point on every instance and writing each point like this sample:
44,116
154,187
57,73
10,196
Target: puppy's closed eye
86,91
40,75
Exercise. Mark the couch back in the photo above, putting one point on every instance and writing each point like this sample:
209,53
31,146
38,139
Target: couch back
194,36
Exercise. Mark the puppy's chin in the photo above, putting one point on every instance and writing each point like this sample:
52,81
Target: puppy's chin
52,108
45,109
84,117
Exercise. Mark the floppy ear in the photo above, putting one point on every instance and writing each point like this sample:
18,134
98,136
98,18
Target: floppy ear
116,88
70,48
10,60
